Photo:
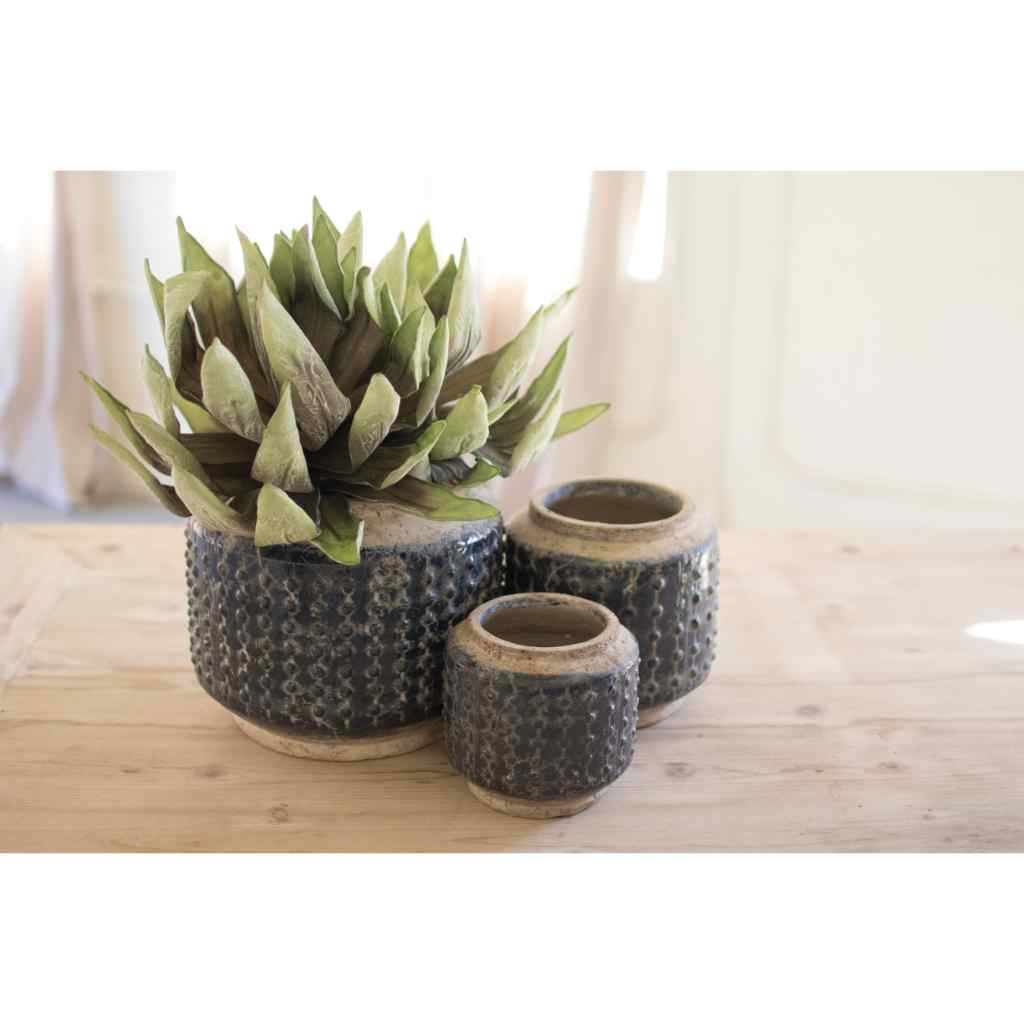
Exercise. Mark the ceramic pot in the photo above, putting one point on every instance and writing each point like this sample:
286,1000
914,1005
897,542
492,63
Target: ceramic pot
646,553
540,703
336,662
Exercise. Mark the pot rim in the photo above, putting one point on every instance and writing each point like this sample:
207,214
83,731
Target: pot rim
541,513
496,645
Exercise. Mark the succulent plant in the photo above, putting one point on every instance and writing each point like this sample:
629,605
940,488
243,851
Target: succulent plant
318,380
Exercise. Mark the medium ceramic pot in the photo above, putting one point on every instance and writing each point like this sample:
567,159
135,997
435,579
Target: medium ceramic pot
341,663
540,703
646,553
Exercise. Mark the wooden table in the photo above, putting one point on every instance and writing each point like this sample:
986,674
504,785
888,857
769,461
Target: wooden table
848,710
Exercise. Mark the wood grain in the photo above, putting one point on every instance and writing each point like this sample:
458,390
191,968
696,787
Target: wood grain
848,710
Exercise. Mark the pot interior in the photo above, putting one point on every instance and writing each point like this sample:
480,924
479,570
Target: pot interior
613,502
543,625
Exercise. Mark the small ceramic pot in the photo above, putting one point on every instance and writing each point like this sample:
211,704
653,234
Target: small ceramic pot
540,703
646,553
336,662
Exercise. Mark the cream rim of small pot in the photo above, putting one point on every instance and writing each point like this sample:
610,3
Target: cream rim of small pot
677,506
545,659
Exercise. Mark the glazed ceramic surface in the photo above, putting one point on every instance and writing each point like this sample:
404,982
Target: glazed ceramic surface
540,707
643,551
306,648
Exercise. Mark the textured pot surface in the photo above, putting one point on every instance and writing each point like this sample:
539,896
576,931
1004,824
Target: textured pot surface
299,645
547,716
652,559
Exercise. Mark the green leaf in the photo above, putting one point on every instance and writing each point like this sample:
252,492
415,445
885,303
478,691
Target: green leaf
561,302
320,407
439,292
216,449
279,520
325,248
341,532
215,308
391,272
282,269
257,276
200,421
228,393
422,264
408,358
156,291
465,427
430,501
315,309
576,419
361,344
481,473
438,352
463,314
159,387
373,419
169,446
414,300
350,258
207,508
280,459
390,463
180,292
164,494
498,412
118,412
536,436
533,403
513,361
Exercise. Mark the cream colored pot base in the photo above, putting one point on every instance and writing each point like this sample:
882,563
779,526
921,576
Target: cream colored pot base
535,808
363,748
651,716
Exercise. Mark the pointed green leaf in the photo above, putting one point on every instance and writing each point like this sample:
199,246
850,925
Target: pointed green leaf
118,412
216,449
560,303
536,436
325,249
414,300
390,463
533,403
426,399
228,394
513,361
280,459
498,412
198,419
463,314
431,501
279,520
308,274
576,419
422,264
391,272
156,291
320,407
164,494
352,238
159,387
481,473
257,277
465,426
362,343
169,446
180,293
408,358
341,532
315,310
373,419
390,316
438,294
282,269
210,510
215,308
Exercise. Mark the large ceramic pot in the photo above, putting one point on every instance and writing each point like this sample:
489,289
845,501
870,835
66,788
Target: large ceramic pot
644,551
321,660
540,703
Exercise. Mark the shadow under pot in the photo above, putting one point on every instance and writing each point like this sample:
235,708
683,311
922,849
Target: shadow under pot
540,703
334,662
646,553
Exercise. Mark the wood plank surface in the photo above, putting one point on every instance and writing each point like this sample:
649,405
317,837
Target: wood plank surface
847,710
